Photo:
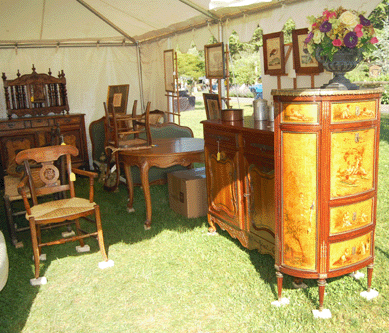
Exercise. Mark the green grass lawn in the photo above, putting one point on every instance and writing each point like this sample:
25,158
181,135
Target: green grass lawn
177,278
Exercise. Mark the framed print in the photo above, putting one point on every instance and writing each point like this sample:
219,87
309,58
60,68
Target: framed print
303,61
168,59
212,106
273,53
214,61
118,97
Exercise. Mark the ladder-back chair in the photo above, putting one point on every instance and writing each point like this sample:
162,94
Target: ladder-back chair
124,132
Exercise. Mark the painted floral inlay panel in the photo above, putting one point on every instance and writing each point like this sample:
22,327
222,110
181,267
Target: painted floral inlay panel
349,252
299,156
352,162
350,217
349,112
299,113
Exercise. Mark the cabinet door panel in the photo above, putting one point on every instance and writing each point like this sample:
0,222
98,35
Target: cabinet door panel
352,162
260,204
299,206
222,183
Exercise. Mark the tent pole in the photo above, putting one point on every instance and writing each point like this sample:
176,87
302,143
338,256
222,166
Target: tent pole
140,77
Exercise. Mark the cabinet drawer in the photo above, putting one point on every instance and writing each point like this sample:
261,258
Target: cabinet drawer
352,162
222,139
351,251
353,111
39,122
351,217
11,125
68,120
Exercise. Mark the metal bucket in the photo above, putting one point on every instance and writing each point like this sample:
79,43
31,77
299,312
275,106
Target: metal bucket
260,109
271,112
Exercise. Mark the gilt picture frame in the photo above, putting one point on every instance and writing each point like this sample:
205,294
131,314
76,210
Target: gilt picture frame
118,97
273,53
168,59
215,61
303,61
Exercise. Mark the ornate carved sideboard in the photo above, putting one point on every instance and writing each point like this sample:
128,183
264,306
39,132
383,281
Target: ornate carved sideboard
239,159
326,162
304,191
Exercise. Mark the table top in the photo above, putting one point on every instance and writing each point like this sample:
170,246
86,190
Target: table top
169,146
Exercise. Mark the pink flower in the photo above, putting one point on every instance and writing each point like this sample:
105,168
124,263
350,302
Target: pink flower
329,14
374,40
337,42
358,30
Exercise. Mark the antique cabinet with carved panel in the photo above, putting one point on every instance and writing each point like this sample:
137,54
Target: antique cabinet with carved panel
29,132
240,180
326,168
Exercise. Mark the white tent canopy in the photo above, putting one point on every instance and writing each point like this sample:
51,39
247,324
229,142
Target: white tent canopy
105,42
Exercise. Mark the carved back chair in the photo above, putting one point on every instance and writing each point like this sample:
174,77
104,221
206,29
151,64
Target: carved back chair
43,179
123,133
212,104
35,94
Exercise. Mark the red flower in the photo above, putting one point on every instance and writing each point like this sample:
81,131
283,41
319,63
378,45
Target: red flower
374,40
337,42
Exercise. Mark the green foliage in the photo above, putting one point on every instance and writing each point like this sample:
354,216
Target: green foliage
381,54
289,26
380,14
191,65
246,68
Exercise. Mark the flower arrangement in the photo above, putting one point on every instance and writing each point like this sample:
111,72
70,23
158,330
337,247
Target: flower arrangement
339,29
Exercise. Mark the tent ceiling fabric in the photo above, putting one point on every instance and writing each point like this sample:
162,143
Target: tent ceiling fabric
42,22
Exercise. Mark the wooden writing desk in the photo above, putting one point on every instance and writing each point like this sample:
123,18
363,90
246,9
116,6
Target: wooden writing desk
163,154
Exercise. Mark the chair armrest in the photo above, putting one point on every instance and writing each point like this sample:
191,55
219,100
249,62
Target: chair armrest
89,174
22,187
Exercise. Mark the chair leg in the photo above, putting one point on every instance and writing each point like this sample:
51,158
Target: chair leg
100,237
10,223
112,179
78,229
35,245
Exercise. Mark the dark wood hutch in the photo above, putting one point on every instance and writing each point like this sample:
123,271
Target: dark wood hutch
37,107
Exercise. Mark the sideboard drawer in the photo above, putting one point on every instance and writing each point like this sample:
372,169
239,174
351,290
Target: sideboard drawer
39,123
11,125
67,120
351,217
221,139
353,111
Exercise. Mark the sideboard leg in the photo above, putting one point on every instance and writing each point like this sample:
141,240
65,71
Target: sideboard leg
280,279
369,276
322,285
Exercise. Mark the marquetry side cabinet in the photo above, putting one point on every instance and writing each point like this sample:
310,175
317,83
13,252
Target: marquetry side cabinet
326,170
239,160
29,132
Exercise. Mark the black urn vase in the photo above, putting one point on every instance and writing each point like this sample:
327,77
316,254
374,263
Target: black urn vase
344,60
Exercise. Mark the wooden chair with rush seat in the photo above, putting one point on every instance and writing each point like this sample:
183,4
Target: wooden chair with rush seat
43,180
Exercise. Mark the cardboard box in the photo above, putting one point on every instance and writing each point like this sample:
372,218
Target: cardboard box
188,192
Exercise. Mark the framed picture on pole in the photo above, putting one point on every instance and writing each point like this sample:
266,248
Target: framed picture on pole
214,61
168,58
273,53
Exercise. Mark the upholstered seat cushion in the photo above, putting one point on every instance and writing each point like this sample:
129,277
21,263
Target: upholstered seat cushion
60,208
